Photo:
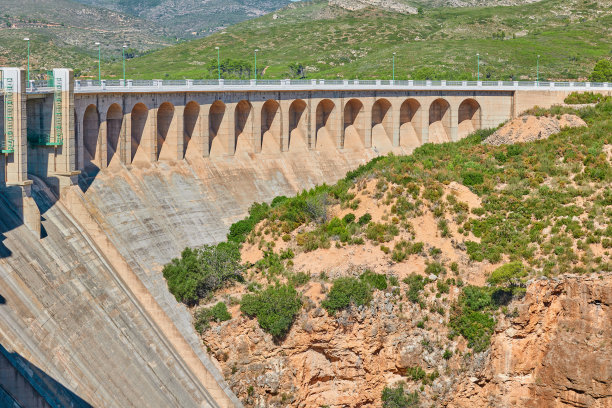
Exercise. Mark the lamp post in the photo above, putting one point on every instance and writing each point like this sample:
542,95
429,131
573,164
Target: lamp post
393,67
123,53
99,63
28,40
218,63
538,71
478,56
256,50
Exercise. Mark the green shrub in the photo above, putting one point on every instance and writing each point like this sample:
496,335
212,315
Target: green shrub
381,232
375,280
602,72
349,218
447,354
472,317
472,178
508,274
576,98
415,373
203,317
435,268
364,219
240,229
416,283
202,271
397,398
298,279
346,292
275,308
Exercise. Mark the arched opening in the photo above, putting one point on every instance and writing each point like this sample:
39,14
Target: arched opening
91,132
325,128
354,128
244,126
298,126
382,126
166,132
191,115
270,127
469,117
138,150
439,121
216,129
77,142
410,124
114,120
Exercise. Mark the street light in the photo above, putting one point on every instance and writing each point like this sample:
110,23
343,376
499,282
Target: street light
538,71
123,53
28,40
478,56
99,64
218,62
256,50
394,67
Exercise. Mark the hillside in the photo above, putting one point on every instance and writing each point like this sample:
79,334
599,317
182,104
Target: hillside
192,18
332,42
394,283
63,34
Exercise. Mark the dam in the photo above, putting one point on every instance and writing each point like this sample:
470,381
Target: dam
103,182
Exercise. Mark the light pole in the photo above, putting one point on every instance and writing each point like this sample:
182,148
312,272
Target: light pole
28,40
393,67
99,63
218,62
478,56
538,71
123,53
256,50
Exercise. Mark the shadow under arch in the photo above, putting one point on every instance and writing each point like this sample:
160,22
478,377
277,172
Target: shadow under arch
271,127
439,121
354,126
166,135
91,141
141,137
243,127
191,121
217,129
411,127
298,126
325,134
382,126
114,121
470,117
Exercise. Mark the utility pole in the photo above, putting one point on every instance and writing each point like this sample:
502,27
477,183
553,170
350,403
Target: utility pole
393,67
256,50
218,63
99,64
478,56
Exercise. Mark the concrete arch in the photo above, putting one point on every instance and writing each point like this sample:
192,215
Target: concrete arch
326,125
382,126
191,124
140,134
439,121
271,127
470,116
92,161
411,127
298,126
217,128
243,126
354,126
114,121
166,132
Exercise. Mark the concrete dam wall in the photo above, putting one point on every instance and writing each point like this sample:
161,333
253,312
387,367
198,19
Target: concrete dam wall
87,303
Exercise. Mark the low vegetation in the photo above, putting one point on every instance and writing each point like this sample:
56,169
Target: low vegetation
275,308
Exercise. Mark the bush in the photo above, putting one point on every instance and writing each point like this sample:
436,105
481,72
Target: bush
416,283
602,72
381,232
576,98
508,274
415,373
435,268
365,219
349,218
275,308
375,280
397,398
346,292
472,318
218,313
239,230
472,178
201,271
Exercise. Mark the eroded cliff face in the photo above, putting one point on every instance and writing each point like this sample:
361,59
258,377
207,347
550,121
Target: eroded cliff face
556,353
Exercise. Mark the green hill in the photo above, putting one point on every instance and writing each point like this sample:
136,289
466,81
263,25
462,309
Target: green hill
331,42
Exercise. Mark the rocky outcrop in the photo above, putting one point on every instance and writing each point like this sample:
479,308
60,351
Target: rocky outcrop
556,353
529,128
391,5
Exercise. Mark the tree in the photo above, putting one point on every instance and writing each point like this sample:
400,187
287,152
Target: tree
275,308
602,71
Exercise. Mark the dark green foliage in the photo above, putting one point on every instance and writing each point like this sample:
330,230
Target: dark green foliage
602,72
275,308
217,313
396,398
348,218
375,280
583,97
346,292
472,178
364,219
447,354
381,232
415,373
508,274
201,271
298,279
416,283
240,229
435,268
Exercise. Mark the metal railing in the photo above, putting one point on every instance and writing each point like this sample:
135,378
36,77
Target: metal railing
213,84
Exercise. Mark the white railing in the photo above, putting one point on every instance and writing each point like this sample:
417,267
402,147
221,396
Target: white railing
156,85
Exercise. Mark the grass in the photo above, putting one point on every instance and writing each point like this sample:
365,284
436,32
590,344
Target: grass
440,43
